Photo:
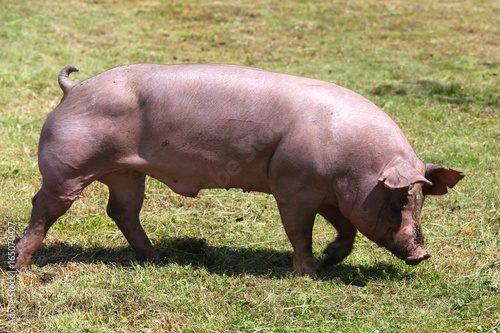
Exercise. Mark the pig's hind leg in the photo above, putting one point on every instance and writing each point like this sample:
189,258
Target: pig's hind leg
342,246
51,202
126,194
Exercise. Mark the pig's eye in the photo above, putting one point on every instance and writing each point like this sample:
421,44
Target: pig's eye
400,203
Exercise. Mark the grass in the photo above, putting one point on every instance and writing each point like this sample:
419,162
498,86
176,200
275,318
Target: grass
433,66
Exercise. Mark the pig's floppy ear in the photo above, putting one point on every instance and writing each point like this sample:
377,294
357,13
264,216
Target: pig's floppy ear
401,175
441,179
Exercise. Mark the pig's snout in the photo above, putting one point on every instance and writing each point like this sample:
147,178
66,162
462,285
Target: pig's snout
416,259
402,245
413,257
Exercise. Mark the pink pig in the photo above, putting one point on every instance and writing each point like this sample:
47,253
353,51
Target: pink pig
315,146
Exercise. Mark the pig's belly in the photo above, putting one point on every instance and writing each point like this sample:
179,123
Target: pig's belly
188,182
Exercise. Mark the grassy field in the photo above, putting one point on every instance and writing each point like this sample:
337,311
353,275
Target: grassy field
433,66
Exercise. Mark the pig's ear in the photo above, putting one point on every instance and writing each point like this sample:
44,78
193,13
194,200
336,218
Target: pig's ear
400,176
441,179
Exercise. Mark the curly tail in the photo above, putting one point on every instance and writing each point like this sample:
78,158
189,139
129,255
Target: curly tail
64,82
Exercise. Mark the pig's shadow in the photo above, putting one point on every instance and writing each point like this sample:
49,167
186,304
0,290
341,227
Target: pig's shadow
220,260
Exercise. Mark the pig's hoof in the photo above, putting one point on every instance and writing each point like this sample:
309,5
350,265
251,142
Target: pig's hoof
307,268
22,263
151,257
21,267
335,253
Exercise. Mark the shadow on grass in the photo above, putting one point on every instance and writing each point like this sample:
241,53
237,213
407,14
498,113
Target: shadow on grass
220,260
452,93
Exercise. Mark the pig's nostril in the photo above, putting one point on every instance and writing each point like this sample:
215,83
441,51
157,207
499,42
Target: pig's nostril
427,256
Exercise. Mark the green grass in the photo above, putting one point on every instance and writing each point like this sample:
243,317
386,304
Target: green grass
434,66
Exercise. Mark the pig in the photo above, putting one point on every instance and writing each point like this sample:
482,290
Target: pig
317,147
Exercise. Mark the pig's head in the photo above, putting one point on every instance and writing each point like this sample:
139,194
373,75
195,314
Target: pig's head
402,189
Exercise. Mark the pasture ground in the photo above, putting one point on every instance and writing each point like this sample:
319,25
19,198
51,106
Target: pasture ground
433,66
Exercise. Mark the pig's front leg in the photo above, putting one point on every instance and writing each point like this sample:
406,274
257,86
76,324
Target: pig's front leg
298,212
342,246
126,195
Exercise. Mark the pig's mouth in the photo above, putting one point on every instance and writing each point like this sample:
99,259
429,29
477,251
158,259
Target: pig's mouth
415,260
412,256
